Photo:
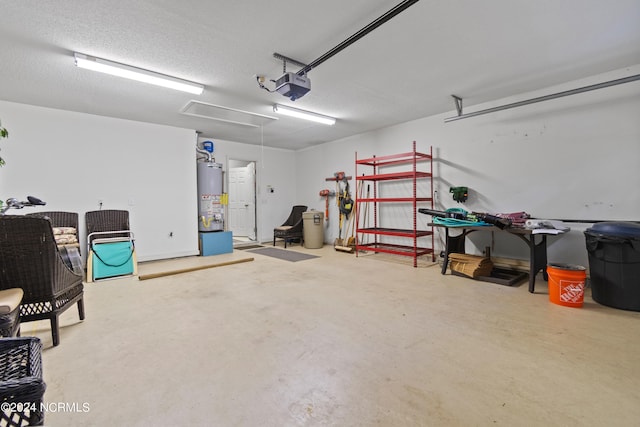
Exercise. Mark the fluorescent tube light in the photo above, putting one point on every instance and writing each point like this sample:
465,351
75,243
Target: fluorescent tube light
302,114
138,74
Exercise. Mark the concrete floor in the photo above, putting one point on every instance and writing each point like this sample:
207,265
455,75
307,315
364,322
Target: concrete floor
336,341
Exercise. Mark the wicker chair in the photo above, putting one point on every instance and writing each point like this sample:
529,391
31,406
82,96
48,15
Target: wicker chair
70,252
21,384
107,220
10,300
61,219
29,259
105,225
292,228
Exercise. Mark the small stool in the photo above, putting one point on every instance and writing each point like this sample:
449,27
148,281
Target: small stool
10,300
21,384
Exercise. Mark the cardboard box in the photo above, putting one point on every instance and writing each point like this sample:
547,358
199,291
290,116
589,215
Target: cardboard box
470,265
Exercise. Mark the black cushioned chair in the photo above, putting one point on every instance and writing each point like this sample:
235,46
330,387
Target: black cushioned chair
30,260
292,228
21,385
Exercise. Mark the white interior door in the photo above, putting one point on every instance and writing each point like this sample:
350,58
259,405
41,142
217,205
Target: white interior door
242,201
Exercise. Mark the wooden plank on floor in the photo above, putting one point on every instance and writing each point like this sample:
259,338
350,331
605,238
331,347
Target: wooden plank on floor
189,269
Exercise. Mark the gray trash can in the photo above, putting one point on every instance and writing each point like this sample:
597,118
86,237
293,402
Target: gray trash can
313,229
614,264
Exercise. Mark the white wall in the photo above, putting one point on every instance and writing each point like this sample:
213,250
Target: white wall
73,160
575,157
571,158
274,167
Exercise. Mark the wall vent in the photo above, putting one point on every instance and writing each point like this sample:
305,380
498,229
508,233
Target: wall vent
225,114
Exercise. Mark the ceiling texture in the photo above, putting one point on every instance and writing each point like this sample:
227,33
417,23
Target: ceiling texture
405,69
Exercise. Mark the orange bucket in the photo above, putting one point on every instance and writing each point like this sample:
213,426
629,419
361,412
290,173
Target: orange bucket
566,284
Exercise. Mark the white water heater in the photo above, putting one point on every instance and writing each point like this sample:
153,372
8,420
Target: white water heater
210,208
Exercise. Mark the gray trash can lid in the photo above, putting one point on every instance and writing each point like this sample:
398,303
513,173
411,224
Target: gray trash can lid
615,229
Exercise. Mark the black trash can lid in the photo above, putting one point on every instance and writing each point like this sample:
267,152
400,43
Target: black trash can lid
615,229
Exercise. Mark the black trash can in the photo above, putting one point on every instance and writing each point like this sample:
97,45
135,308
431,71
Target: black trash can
614,264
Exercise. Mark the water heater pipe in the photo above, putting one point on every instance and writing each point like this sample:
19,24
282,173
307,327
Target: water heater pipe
210,159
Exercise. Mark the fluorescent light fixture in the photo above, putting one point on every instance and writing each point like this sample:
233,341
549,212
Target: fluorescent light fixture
138,74
302,114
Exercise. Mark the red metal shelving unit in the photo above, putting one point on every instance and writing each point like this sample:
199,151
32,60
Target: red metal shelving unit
419,246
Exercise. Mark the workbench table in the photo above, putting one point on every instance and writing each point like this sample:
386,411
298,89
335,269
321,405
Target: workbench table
537,250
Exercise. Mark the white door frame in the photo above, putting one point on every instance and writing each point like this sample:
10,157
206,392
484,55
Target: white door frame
235,163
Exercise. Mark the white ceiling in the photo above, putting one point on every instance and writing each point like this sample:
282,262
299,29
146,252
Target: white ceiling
403,70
